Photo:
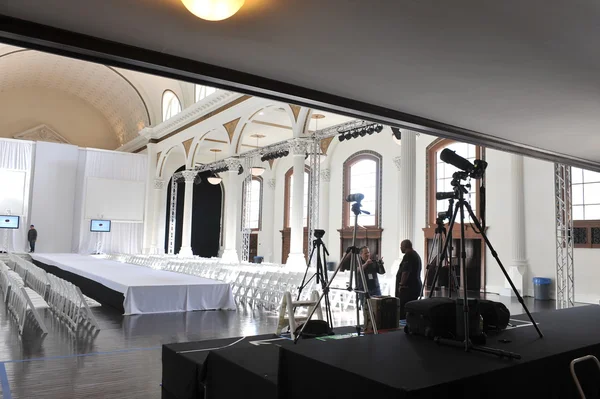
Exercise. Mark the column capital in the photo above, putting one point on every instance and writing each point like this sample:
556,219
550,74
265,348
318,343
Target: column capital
159,184
189,175
299,146
398,162
233,164
325,175
272,184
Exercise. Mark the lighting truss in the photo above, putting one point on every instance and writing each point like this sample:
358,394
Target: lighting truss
565,286
246,200
315,181
173,216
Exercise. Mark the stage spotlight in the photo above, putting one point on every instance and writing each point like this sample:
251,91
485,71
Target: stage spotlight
341,137
286,153
371,129
363,132
378,128
355,133
397,133
348,136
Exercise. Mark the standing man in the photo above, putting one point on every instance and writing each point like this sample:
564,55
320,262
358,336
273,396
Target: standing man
32,237
371,269
408,279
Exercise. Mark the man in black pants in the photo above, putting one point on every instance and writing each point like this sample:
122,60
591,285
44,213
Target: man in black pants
32,237
408,279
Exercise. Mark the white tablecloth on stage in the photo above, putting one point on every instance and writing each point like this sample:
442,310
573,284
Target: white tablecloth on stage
146,290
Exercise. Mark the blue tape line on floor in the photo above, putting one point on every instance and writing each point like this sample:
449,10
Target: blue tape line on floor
4,383
80,355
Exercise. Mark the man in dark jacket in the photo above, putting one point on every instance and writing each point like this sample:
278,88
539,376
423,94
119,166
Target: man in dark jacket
408,279
32,237
371,269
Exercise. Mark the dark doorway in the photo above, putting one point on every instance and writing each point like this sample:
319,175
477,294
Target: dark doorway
206,217
253,247
179,213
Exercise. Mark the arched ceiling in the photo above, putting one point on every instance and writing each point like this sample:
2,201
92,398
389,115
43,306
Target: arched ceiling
100,86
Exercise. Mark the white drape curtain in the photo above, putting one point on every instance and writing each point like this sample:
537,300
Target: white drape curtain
125,237
17,155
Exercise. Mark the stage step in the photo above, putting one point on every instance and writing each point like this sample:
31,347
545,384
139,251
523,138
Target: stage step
287,312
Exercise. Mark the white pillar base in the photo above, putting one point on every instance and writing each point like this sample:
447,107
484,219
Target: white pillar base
154,250
296,260
186,252
517,278
230,256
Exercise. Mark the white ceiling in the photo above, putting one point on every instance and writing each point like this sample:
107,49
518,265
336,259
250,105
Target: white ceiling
525,71
100,86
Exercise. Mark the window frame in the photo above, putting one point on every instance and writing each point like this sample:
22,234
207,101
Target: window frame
431,180
583,224
260,201
347,221
287,199
163,104
197,86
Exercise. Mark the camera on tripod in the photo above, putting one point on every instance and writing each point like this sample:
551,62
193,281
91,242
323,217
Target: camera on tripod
319,233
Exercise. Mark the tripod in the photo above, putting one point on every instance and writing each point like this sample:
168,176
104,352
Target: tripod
356,272
461,205
320,274
437,245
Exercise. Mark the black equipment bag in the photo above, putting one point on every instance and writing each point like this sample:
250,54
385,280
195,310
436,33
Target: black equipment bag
314,328
495,315
386,311
431,317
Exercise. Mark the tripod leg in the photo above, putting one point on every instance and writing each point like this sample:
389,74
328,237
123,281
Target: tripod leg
306,272
463,266
495,255
433,259
361,274
446,243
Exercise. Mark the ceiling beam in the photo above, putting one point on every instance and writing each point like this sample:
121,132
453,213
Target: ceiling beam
70,44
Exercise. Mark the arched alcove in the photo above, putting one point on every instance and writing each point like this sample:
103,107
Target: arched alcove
207,217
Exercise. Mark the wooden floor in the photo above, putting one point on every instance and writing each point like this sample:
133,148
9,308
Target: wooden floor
124,359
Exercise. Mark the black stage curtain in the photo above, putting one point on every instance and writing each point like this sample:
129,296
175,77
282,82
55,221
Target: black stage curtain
179,224
206,217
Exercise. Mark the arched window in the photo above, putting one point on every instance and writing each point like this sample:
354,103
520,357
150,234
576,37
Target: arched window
440,176
201,92
170,105
362,174
289,190
255,204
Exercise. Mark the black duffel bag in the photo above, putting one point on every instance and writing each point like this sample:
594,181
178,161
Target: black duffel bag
431,317
495,315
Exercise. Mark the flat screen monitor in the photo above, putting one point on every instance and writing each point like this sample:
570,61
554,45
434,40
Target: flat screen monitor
9,222
100,226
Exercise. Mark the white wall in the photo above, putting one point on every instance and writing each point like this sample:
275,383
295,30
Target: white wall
54,177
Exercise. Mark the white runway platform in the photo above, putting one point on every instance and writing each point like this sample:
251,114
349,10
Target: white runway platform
146,290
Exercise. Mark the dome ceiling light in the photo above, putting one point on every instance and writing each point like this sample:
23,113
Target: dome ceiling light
257,170
213,10
214,179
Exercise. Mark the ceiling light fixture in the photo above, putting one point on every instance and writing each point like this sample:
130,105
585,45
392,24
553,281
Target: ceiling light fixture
214,179
257,170
213,10
359,131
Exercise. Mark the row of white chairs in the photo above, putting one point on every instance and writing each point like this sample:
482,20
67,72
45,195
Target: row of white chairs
18,301
258,285
64,298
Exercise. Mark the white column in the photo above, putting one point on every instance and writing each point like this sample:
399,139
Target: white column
186,235
298,148
157,194
519,262
232,212
407,178
149,208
